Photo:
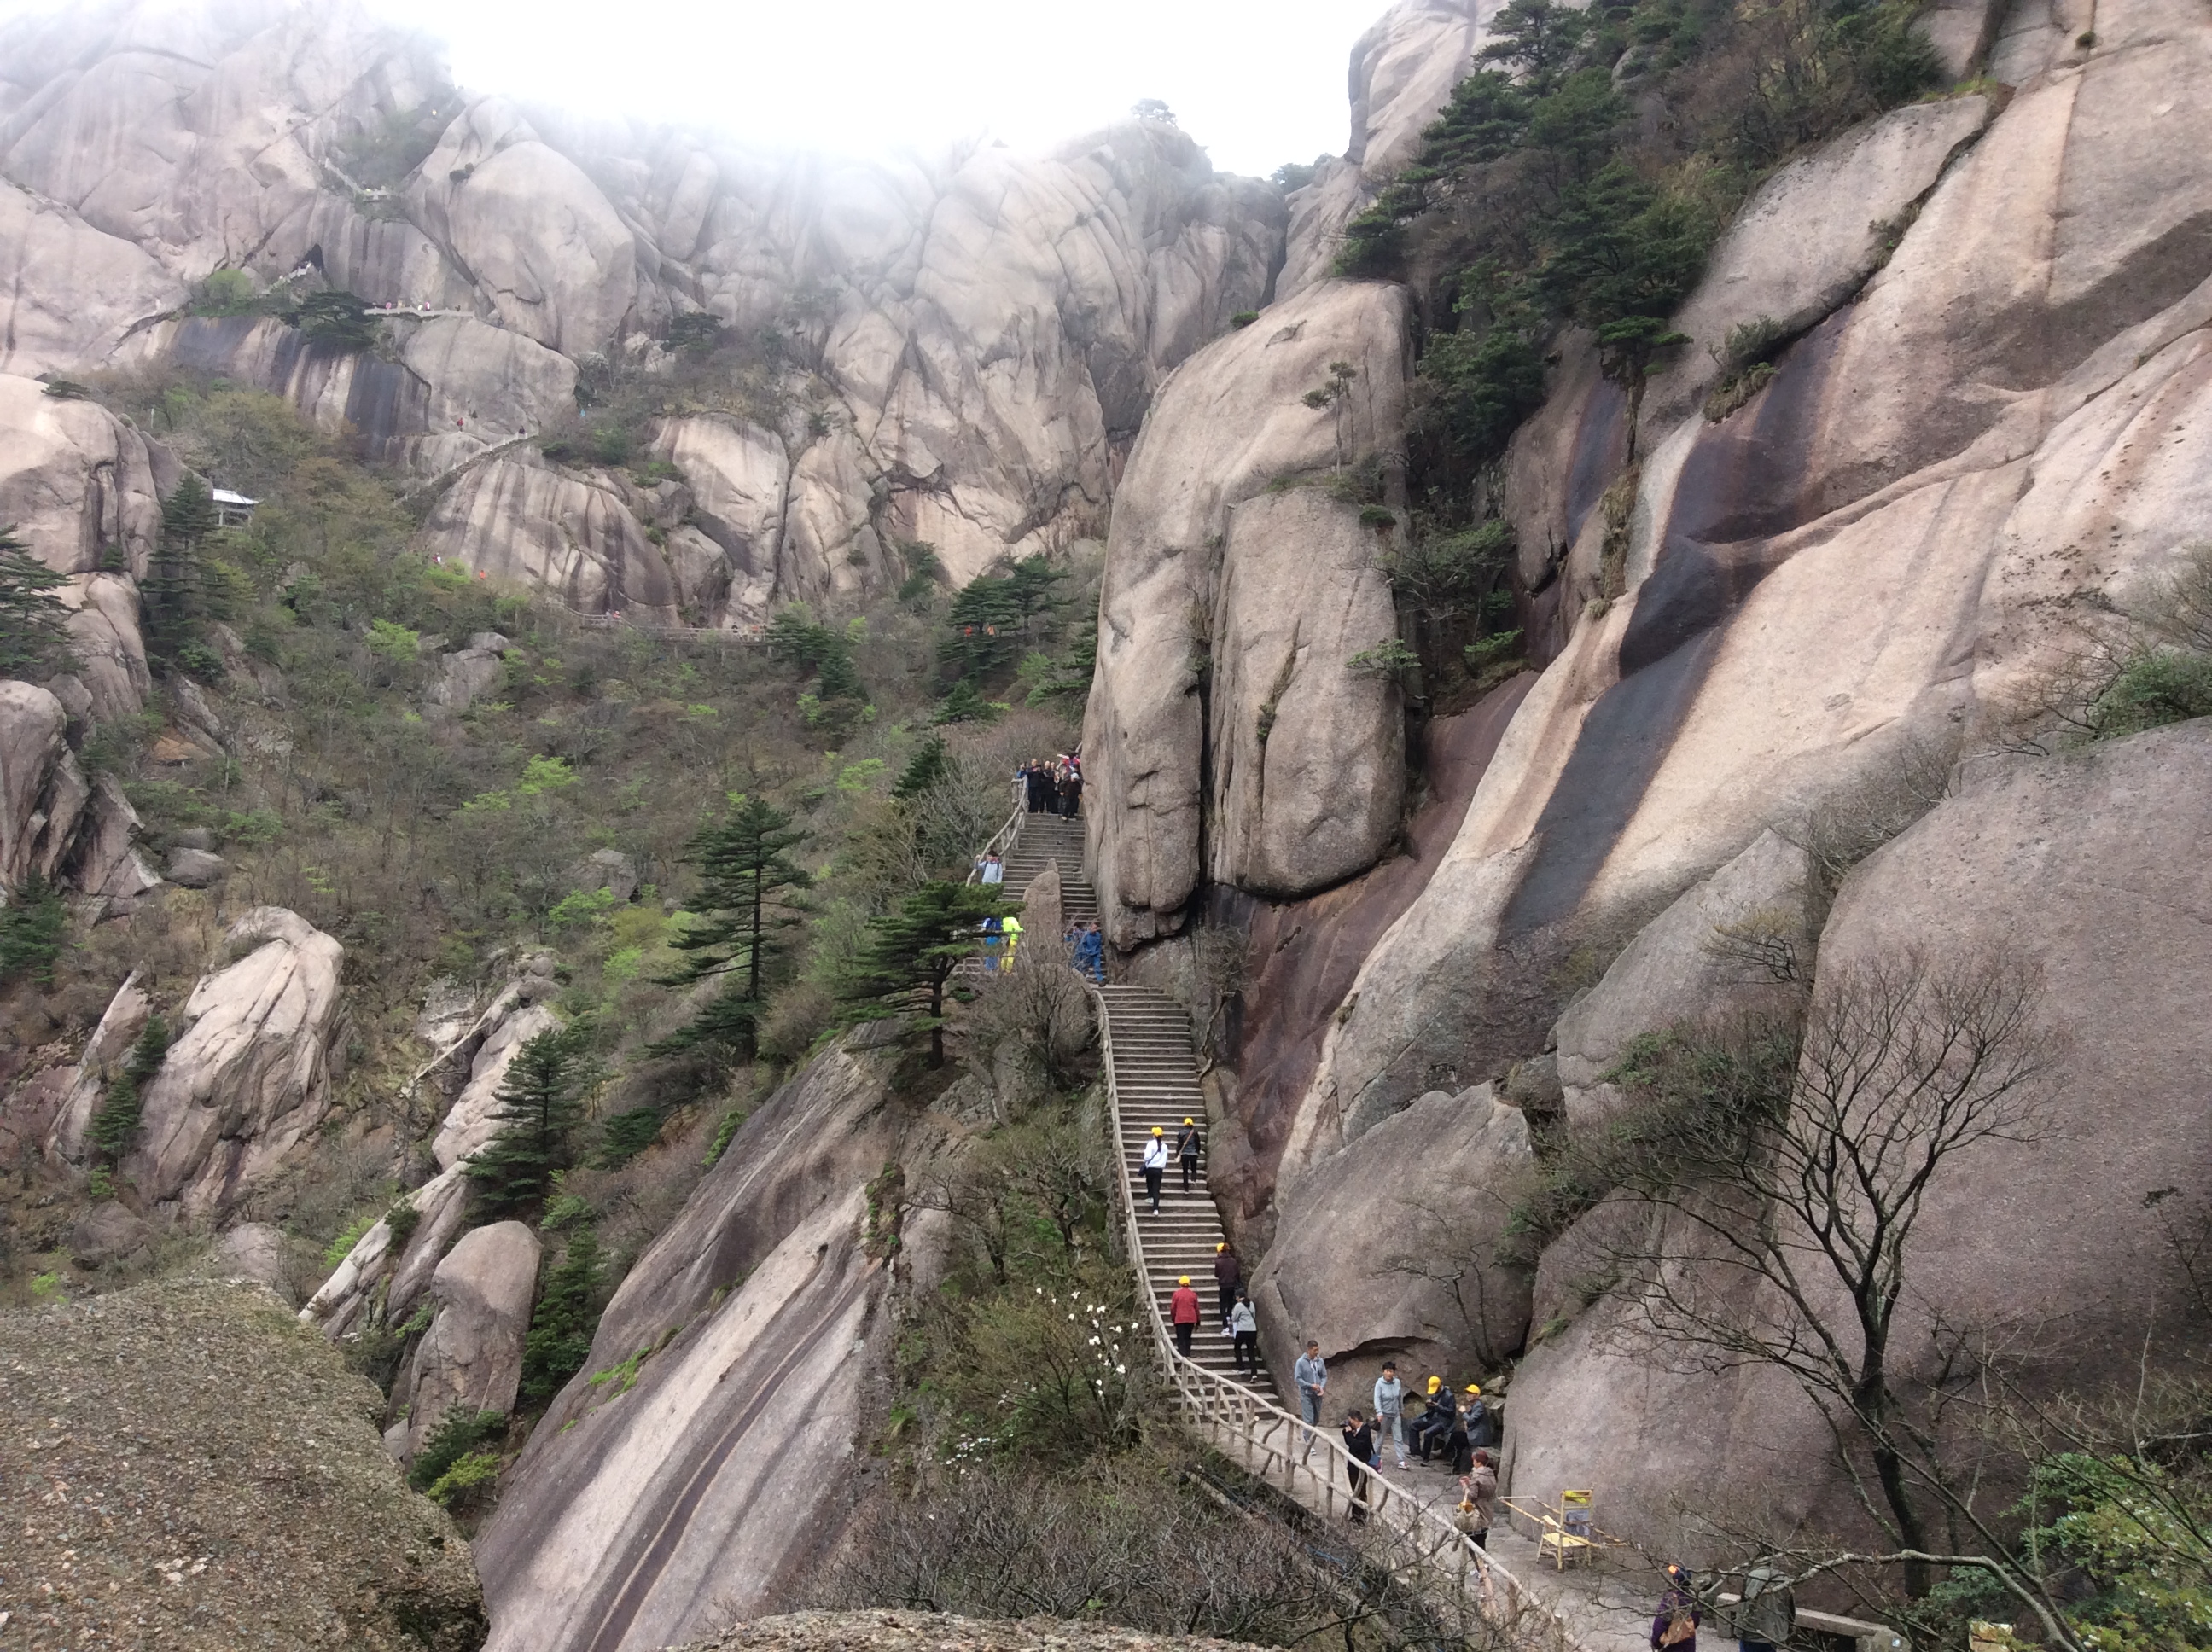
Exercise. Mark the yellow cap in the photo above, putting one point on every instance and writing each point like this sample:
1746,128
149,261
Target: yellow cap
1190,1121
1434,1382
1223,1245
1185,1279
1158,1131
1471,1388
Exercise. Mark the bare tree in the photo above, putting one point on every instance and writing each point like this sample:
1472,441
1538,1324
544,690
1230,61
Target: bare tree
1786,1214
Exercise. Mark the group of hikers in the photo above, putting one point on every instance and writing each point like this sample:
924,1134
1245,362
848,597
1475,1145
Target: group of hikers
1054,786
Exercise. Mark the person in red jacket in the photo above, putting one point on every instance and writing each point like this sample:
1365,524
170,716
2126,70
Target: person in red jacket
1183,1313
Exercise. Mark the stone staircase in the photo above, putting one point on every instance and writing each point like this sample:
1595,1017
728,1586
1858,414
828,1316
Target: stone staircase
1156,1083
1047,837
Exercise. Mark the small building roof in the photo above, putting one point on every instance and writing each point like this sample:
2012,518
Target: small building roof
224,496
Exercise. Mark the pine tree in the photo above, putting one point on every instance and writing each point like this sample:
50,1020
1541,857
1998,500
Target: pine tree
171,590
739,916
931,762
537,1116
911,953
33,622
560,1339
117,1122
33,926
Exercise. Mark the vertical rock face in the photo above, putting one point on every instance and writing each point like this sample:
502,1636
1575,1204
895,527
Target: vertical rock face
472,1355
1403,70
640,1515
41,792
248,1075
1233,422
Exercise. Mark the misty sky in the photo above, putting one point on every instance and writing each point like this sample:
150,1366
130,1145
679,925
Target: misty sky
1257,81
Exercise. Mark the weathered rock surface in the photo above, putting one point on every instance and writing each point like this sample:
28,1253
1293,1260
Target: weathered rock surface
87,1079
472,1355
371,1265
2085,868
253,1253
463,678
1231,421
1680,968
636,1518
1309,750
76,484
108,1233
42,791
1386,1249
248,1077
196,869
932,1632
131,1399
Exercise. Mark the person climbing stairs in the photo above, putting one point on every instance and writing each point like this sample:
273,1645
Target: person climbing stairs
1049,838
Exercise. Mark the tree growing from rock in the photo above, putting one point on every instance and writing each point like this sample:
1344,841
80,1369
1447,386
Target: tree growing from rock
171,589
739,924
1786,1202
910,956
120,1109
538,1114
33,622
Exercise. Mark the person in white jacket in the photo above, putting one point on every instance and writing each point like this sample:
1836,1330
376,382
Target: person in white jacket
1156,1166
1245,1326
1389,1402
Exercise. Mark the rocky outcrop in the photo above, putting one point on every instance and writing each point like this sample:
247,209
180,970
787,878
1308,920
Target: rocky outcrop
472,1355
76,483
107,1234
639,1515
472,1120
2081,868
1232,423
248,1075
86,1081
935,1632
1403,69
518,519
42,791
1389,1249
156,1399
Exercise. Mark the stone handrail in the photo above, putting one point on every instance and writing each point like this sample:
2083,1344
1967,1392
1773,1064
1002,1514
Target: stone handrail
1311,1465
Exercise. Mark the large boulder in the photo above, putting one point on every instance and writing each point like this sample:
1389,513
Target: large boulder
263,1504
76,483
69,293
247,1078
2082,868
470,1358
1390,1249
516,517
42,791
1233,422
643,1514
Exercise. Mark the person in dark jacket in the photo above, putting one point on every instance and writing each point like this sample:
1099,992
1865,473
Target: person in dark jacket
1434,1423
1187,1146
1674,1627
1228,1274
1462,1447
1360,1441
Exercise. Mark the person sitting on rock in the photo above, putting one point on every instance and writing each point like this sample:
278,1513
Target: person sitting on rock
1435,1421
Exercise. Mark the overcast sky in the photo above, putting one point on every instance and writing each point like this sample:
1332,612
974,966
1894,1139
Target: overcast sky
1257,81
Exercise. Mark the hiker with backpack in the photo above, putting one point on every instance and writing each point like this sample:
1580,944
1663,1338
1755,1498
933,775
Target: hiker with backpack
1674,1627
1186,1149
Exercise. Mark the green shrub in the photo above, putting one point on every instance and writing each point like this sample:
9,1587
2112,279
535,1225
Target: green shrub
723,1134
342,1244
1384,659
1243,317
339,320
567,1313
627,1133
458,1432
401,1220
33,622
2154,687
462,1486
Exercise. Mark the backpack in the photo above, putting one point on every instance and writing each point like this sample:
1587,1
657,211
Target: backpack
1681,1627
